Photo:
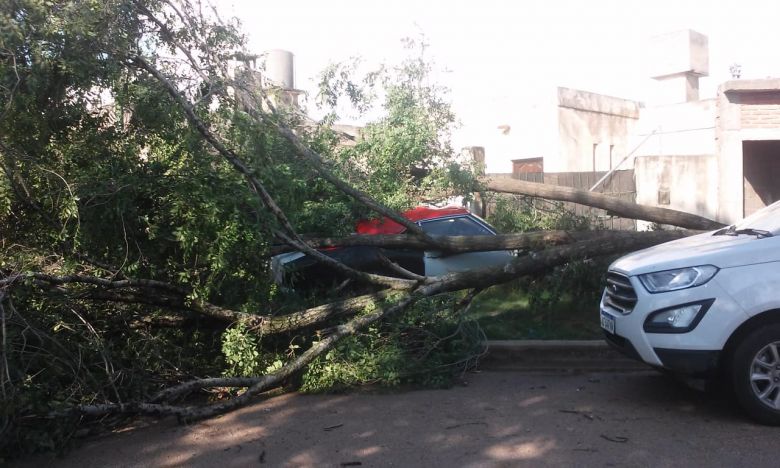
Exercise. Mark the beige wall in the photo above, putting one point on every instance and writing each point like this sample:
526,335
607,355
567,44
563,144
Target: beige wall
593,131
687,183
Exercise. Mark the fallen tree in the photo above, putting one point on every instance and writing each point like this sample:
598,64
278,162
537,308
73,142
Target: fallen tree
460,244
535,263
613,205
172,206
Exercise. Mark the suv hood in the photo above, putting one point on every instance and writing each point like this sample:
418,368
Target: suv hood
703,249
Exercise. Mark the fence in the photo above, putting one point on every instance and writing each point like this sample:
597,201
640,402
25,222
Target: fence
619,184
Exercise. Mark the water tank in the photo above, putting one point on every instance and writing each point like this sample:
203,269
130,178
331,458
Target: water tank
280,68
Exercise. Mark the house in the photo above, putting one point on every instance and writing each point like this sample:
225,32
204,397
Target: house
718,157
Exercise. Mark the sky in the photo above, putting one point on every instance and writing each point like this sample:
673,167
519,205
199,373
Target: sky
494,53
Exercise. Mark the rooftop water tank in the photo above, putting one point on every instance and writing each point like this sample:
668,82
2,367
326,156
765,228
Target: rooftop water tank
280,68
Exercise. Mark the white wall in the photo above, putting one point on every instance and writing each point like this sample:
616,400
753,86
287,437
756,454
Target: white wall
690,182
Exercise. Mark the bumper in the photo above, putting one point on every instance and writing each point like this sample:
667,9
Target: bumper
697,363
696,352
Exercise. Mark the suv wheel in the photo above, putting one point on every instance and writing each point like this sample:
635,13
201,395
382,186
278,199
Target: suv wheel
755,374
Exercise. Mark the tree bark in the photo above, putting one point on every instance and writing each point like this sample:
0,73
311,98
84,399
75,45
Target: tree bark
459,244
614,205
540,261
161,294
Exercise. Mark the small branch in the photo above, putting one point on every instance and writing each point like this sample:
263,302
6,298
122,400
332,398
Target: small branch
258,385
399,269
5,375
93,280
228,382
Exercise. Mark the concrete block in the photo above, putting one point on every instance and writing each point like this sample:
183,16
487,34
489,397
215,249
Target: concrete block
679,53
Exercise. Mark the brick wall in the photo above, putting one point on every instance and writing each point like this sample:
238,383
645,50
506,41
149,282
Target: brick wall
760,110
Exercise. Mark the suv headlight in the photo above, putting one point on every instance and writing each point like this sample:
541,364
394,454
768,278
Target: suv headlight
681,278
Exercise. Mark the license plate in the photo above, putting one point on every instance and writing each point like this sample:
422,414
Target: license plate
608,322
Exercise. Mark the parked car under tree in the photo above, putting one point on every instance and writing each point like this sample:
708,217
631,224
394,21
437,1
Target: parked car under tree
296,268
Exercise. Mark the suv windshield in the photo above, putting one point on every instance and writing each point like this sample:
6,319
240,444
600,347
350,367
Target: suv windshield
765,219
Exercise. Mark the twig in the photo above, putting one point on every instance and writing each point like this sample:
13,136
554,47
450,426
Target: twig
398,268
6,375
257,387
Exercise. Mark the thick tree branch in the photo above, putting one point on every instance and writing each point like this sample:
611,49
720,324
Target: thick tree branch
458,244
540,261
162,294
614,205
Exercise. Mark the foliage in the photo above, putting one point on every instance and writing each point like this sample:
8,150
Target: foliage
559,305
242,351
404,157
99,167
511,213
102,175
428,345
62,354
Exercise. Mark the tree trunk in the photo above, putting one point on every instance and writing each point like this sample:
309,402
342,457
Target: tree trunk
533,240
614,205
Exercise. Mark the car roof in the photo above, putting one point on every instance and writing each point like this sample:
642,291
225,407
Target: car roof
386,225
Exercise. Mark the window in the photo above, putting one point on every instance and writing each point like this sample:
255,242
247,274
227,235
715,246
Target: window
611,149
461,226
527,166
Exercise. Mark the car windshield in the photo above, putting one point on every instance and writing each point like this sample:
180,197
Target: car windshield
460,226
765,219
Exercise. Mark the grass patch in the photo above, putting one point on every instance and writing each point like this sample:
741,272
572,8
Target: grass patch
522,310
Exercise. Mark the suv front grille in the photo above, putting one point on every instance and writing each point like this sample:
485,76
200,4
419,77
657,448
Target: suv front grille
620,294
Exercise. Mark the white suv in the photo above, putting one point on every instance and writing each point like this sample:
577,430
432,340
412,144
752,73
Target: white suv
703,305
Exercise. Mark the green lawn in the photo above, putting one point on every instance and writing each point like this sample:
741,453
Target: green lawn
508,312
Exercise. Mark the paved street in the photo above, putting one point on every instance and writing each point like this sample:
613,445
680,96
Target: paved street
495,419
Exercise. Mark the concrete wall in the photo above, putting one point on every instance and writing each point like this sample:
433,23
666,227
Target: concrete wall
675,158
686,183
593,131
677,130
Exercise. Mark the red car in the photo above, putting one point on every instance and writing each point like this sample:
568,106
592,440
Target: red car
294,267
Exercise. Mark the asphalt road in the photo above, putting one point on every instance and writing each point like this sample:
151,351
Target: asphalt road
494,419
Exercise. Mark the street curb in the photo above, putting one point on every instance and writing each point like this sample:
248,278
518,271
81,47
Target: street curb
556,356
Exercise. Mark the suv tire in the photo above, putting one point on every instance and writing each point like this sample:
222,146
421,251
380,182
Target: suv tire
755,374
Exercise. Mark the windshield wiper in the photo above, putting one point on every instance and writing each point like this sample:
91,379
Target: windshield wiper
726,231
733,231
760,233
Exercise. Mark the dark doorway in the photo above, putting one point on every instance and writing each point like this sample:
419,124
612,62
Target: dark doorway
761,170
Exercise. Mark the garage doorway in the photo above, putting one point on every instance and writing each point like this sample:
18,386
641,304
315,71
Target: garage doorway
761,173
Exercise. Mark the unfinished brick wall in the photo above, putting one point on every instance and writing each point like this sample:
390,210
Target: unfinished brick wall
760,110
